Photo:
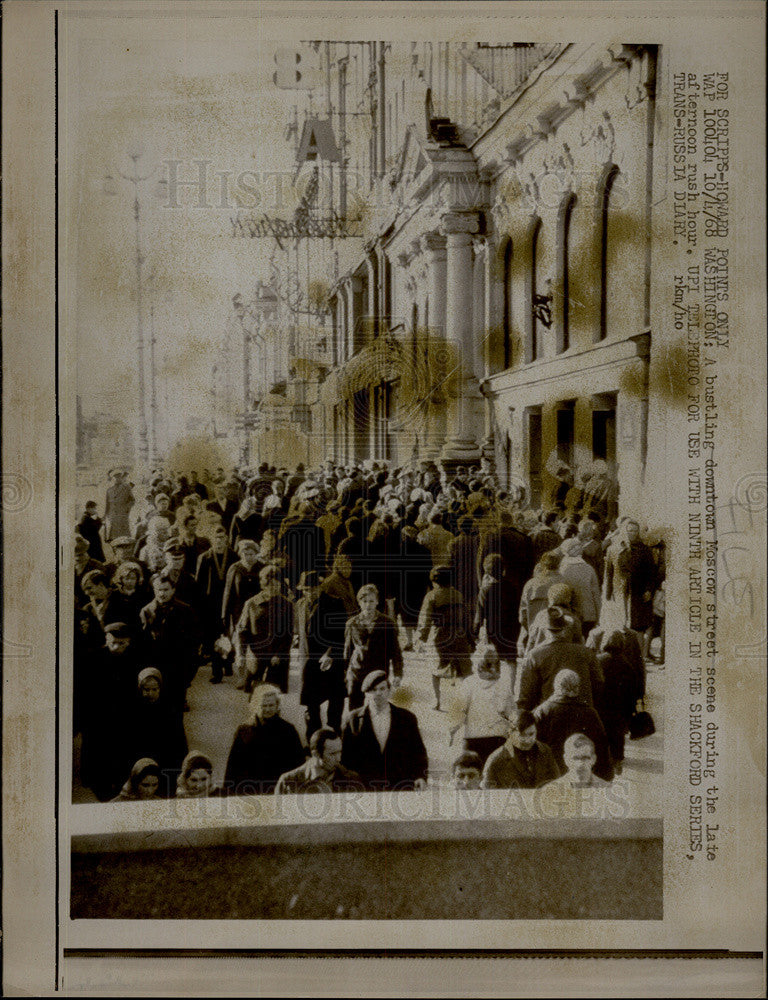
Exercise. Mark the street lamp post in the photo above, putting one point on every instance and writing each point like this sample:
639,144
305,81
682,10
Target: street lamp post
136,179
239,306
153,385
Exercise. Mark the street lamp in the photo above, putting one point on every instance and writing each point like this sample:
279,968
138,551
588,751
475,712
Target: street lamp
110,188
239,307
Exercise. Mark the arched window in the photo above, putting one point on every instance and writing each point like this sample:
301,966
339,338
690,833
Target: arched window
563,267
506,357
607,250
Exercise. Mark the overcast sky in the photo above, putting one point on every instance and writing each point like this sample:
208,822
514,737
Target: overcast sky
184,89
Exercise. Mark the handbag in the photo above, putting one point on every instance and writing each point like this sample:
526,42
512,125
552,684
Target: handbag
641,723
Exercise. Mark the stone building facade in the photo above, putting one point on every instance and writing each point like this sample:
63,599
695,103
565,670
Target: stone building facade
494,303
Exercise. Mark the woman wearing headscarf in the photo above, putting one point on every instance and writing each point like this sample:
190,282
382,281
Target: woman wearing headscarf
152,553
155,728
195,780
143,782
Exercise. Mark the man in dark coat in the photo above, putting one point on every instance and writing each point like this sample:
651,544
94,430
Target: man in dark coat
565,713
118,506
370,643
210,577
191,543
320,623
634,577
185,588
171,638
523,761
445,611
102,606
542,664
263,750
303,544
89,527
84,564
265,629
223,506
413,567
463,553
382,742
543,537
514,547
242,582
247,522
498,607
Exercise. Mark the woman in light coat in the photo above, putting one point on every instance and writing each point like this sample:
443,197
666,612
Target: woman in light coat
582,577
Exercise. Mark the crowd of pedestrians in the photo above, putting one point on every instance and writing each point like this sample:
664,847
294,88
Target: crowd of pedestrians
535,627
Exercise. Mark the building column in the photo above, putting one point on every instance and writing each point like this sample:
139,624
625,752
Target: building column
548,447
582,435
482,314
434,248
372,319
461,444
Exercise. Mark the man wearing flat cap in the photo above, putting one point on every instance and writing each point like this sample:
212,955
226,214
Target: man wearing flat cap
185,588
542,664
123,659
122,549
382,742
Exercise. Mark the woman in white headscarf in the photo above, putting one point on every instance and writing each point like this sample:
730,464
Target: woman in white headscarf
143,782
